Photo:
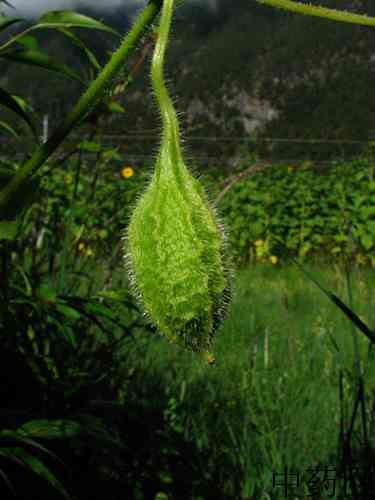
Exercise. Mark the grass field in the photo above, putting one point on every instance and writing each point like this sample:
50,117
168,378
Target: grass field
272,399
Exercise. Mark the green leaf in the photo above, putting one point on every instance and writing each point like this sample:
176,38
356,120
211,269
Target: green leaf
69,336
40,469
46,293
100,310
115,107
167,479
9,129
306,247
37,58
344,308
70,19
8,163
13,103
94,310
340,237
336,250
90,146
8,230
65,329
366,241
67,311
5,22
109,294
90,56
112,153
51,429
28,285
29,42
20,437
26,106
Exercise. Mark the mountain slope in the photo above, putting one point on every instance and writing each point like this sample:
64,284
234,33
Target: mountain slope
247,71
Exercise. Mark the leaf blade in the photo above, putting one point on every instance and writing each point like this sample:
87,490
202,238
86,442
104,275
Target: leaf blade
70,19
9,129
78,42
9,101
5,22
37,58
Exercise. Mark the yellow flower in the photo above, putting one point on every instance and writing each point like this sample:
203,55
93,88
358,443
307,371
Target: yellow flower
273,259
290,168
68,179
127,172
259,243
81,247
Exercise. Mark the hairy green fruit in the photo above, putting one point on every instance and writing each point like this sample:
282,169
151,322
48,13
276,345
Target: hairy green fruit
178,260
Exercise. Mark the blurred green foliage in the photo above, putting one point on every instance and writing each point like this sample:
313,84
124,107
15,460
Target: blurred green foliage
308,206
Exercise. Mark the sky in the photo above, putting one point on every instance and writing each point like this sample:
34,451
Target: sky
35,8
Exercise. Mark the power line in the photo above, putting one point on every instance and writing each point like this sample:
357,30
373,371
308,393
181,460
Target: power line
241,138
222,160
245,139
217,159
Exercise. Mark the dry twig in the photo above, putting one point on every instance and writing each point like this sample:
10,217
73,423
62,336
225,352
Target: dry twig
232,180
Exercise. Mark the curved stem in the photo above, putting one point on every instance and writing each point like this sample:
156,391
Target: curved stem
170,138
253,169
85,103
311,10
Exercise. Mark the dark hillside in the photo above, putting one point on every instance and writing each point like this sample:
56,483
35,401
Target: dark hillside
242,72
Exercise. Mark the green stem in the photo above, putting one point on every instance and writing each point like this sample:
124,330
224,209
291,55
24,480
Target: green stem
15,38
85,103
170,138
318,11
